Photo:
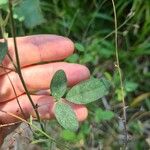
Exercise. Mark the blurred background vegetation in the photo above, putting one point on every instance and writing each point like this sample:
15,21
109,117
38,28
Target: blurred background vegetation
90,24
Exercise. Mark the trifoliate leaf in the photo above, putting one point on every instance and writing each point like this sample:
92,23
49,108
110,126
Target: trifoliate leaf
3,50
88,91
66,116
58,84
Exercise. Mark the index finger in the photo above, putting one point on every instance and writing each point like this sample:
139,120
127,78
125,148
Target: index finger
38,48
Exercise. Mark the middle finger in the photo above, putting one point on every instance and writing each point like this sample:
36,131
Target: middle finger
39,78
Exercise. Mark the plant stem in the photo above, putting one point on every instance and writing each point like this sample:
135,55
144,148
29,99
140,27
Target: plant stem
15,94
19,67
118,27
120,78
2,26
35,127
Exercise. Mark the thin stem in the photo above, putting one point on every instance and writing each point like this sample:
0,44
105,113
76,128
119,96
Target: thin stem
35,127
15,94
6,68
9,124
91,21
19,67
11,60
120,77
119,27
2,26
73,20
108,35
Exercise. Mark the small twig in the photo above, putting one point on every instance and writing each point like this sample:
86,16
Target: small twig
105,103
119,27
91,21
35,127
120,78
131,14
11,60
71,24
15,95
3,67
9,124
2,26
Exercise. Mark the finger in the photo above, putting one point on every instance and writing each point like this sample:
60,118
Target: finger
38,48
45,106
39,77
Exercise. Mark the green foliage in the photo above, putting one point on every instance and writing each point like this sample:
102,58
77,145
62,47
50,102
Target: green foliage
73,58
3,2
88,91
58,85
130,86
29,12
82,93
25,11
101,115
71,136
79,47
136,127
68,135
119,94
94,30
3,50
66,116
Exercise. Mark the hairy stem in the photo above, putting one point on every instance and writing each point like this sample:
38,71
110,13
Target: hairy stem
120,77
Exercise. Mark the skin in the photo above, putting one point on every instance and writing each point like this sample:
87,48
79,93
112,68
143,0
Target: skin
40,57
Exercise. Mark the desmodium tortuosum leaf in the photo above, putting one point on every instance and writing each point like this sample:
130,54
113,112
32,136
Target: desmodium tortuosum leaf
58,84
66,116
30,12
88,91
3,50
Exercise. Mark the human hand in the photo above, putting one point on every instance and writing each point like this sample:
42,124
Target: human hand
37,55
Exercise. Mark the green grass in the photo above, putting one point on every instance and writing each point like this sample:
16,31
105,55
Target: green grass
91,25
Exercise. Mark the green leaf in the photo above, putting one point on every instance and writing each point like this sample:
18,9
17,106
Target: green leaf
66,116
3,50
118,93
130,86
101,115
58,85
87,58
88,91
29,12
136,127
79,47
85,128
3,2
73,58
68,135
